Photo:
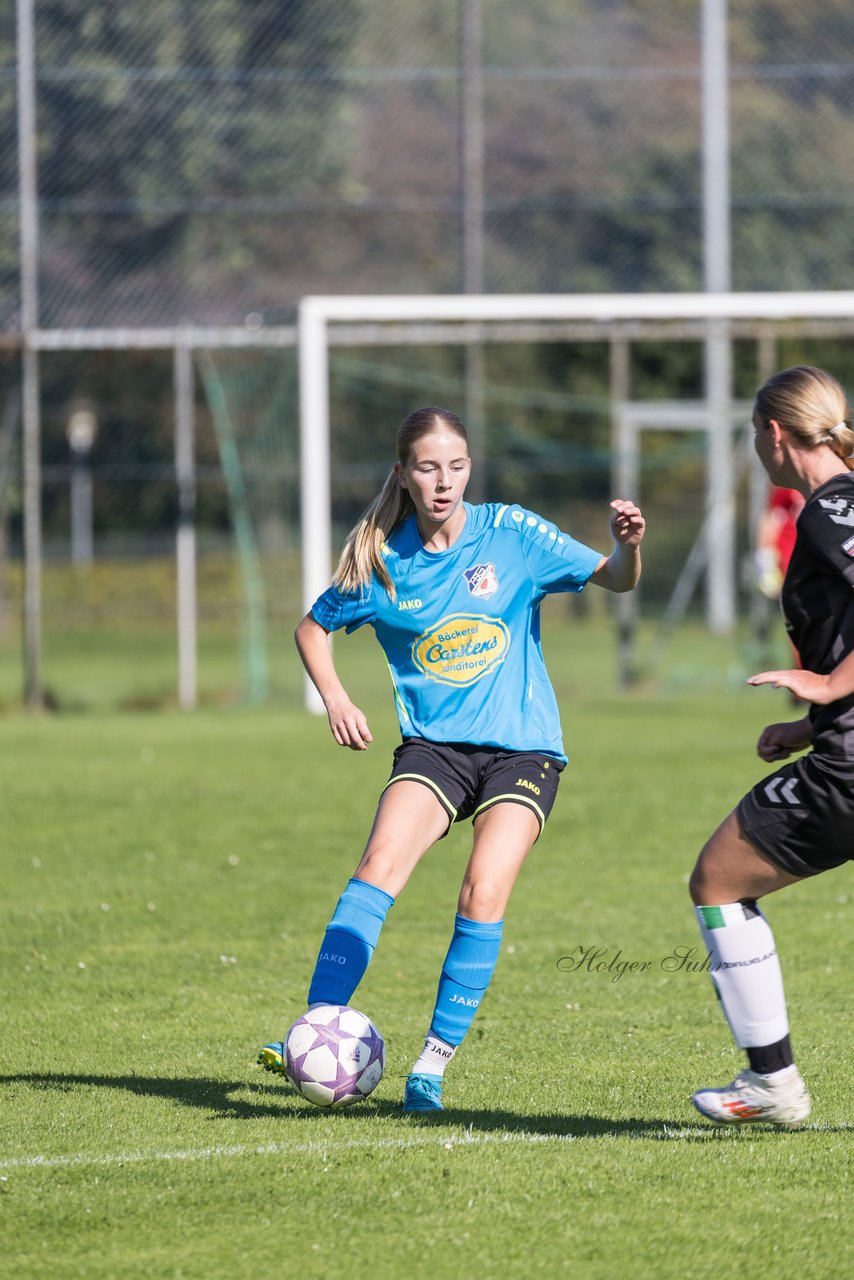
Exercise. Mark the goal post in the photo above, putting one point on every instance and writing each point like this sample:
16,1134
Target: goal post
322,316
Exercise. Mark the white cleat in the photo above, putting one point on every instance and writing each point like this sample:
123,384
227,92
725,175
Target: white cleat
778,1099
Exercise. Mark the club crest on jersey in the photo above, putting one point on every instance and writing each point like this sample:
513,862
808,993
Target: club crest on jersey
848,546
482,581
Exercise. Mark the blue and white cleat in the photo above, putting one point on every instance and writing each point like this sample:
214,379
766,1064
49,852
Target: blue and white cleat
272,1058
423,1093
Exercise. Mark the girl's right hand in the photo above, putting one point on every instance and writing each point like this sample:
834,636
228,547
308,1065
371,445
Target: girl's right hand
349,726
778,741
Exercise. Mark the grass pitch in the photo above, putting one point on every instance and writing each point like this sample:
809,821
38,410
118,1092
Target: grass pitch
166,882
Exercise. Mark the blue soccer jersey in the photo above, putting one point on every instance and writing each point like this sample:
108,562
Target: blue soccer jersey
462,637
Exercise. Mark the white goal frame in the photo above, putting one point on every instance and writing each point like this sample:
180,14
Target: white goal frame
319,315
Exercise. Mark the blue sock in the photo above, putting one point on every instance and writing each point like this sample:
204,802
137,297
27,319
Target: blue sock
466,974
348,943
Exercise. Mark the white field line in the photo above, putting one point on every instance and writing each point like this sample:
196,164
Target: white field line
330,1147
275,1149
83,1159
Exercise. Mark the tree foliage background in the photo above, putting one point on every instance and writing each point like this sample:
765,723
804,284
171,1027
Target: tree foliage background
206,161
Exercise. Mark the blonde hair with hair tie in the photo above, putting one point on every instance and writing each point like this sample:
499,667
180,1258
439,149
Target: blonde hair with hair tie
811,405
840,426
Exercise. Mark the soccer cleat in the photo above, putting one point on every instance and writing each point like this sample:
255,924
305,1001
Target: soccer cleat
423,1093
752,1098
272,1058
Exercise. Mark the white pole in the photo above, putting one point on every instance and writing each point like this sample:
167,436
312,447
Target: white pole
716,260
185,475
604,307
472,190
715,97
82,537
720,482
30,405
625,479
316,509
31,419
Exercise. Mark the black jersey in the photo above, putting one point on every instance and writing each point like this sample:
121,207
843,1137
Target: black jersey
818,602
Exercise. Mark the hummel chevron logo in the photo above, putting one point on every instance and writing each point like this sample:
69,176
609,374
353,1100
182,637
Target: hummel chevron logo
788,794
839,509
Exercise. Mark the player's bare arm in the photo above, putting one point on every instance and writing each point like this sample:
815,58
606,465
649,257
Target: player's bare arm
621,570
811,686
348,724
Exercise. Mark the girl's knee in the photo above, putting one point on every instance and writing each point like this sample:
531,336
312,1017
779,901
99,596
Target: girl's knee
696,884
380,867
481,900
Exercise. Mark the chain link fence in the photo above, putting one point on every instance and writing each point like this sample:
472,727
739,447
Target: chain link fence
209,164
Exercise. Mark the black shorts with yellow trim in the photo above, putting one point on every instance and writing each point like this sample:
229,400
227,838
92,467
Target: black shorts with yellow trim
802,815
468,780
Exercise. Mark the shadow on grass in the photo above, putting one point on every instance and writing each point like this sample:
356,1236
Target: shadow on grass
278,1101
209,1095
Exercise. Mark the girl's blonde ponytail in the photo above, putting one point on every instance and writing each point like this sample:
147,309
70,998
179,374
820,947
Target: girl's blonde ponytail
811,405
362,555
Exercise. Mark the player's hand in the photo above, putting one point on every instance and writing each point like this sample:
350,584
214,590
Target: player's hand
778,741
627,523
807,685
349,726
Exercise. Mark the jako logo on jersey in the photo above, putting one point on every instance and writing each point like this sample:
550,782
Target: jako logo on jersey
461,649
482,581
529,786
410,604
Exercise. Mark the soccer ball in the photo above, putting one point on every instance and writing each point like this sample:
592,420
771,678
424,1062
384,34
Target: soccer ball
334,1056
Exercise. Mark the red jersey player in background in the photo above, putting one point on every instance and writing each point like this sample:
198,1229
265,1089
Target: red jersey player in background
775,541
778,528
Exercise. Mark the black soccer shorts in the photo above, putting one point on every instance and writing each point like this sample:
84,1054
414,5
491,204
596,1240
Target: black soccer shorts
468,780
802,816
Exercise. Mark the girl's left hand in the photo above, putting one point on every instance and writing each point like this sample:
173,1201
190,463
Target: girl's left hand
627,523
807,685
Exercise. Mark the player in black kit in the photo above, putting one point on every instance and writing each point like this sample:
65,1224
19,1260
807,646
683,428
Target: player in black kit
800,820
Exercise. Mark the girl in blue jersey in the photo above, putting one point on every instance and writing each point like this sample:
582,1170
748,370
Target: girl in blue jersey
453,593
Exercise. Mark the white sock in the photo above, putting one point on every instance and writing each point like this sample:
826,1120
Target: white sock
435,1056
746,972
779,1077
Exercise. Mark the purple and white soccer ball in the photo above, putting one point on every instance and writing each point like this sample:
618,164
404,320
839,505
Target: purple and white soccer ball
334,1056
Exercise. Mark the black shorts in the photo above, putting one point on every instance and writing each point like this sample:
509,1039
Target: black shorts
802,816
468,780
